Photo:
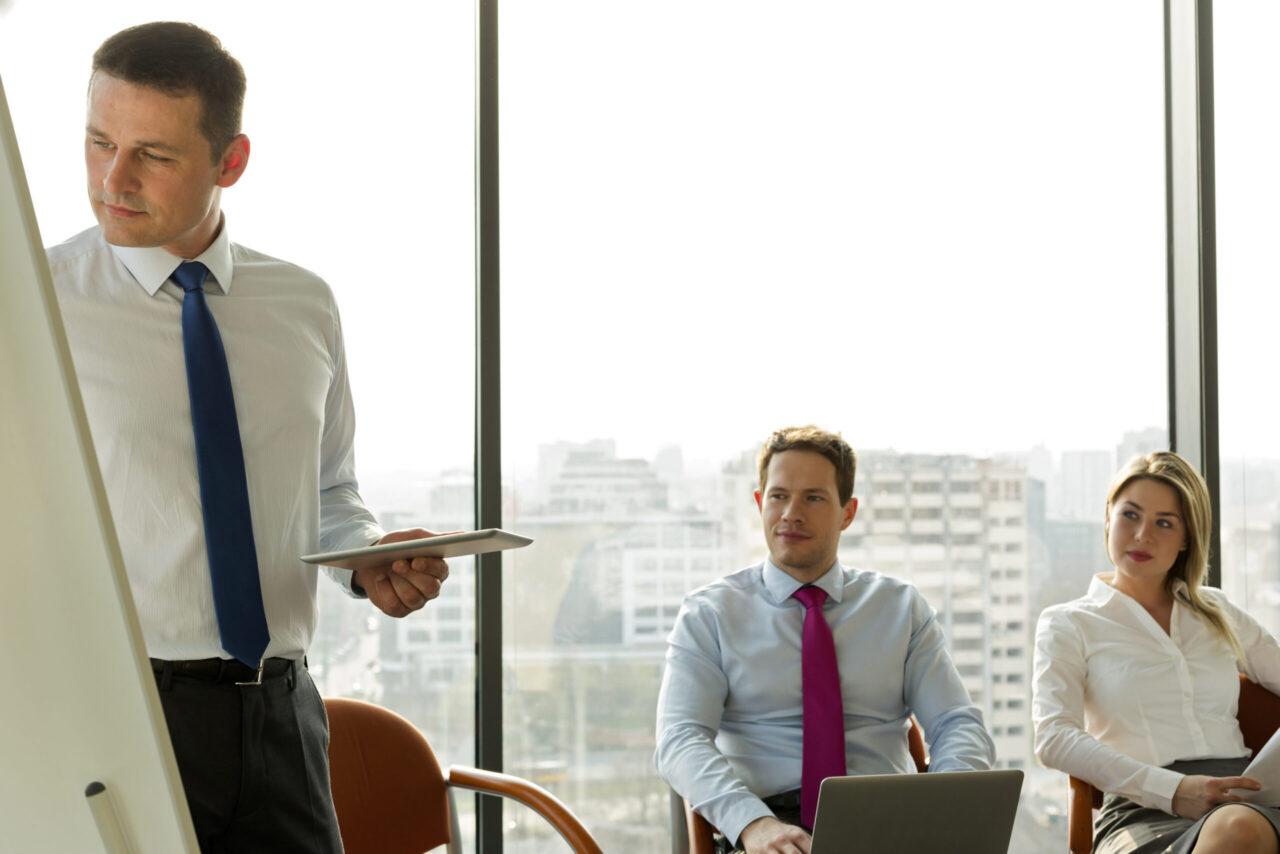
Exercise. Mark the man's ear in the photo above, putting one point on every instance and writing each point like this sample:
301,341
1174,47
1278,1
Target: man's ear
850,510
759,501
234,160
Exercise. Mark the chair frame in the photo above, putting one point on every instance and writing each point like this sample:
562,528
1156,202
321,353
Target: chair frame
522,791
376,730
1258,711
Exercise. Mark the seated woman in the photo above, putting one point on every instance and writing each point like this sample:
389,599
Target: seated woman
1136,683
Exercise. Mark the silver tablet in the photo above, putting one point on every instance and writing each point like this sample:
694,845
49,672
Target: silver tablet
444,545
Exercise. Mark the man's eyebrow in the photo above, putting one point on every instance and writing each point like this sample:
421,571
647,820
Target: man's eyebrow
157,145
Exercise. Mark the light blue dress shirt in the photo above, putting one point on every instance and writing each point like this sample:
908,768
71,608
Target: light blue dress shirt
730,711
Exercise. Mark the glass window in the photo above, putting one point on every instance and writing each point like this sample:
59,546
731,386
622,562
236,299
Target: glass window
1248,178
901,221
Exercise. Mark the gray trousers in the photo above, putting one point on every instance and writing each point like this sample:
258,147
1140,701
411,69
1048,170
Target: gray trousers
254,762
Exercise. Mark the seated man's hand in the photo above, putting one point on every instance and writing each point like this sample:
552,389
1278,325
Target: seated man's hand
767,835
404,586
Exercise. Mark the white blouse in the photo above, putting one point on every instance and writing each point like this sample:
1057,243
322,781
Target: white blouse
1115,698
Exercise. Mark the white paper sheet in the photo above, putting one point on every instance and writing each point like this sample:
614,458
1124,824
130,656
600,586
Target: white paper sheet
1265,768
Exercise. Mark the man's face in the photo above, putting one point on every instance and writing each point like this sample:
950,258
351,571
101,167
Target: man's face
152,177
802,514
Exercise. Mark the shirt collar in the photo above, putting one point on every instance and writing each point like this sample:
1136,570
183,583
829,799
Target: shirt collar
1101,591
781,585
152,266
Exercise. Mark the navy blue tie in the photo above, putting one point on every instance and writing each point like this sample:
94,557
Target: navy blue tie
224,493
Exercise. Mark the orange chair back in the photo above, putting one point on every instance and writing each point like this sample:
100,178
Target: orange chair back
387,786
1259,714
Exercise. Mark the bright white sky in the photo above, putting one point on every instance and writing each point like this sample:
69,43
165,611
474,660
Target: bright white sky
933,226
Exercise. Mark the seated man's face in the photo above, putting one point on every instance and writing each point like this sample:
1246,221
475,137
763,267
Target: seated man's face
802,514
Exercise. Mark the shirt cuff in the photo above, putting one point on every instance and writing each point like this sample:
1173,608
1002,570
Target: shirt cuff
1161,784
740,815
356,590
345,580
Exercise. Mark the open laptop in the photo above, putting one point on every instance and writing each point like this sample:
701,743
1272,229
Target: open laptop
967,812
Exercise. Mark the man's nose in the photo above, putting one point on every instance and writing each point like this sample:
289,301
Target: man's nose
118,177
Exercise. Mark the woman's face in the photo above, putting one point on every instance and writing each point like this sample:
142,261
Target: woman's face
1146,530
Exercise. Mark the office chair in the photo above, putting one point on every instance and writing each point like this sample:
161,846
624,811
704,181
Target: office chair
392,798
1259,716
701,835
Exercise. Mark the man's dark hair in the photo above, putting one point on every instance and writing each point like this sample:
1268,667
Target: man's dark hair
181,59
811,438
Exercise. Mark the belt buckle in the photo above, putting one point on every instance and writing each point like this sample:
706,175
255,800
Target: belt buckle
257,677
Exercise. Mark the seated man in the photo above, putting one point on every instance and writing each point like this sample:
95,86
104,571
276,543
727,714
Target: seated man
746,732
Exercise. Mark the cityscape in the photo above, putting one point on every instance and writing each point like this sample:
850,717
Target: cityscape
618,542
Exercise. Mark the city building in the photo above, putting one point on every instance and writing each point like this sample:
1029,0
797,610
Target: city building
956,528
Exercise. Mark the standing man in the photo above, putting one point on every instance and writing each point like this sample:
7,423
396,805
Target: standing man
798,669
216,389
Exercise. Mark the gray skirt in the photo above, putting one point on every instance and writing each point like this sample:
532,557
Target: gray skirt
1124,827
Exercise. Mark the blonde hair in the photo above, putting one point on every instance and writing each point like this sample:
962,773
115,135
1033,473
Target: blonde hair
1192,563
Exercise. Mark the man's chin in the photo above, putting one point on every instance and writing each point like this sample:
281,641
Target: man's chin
117,235
801,566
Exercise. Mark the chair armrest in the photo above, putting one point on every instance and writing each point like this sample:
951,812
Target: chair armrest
701,833
915,744
679,823
1083,800
533,796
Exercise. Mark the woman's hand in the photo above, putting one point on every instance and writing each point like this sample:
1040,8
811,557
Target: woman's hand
1197,794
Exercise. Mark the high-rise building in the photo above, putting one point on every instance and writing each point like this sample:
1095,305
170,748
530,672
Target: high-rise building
1085,476
1139,442
956,527
585,481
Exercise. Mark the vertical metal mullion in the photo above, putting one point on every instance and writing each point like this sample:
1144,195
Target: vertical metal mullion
1209,285
488,444
1192,246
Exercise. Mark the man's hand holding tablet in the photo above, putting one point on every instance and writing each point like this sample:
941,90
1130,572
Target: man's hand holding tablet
404,570
405,585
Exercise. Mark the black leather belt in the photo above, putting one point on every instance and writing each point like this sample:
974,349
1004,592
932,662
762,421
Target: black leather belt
783,800
223,669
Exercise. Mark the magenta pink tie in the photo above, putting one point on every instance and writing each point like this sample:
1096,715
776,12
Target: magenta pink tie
823,706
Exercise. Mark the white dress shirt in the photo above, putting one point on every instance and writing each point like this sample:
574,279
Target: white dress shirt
1115,698
280,329
731,713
